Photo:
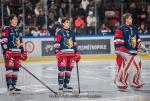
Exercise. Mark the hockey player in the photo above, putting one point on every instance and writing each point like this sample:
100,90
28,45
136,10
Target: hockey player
13,51
127,44
66,52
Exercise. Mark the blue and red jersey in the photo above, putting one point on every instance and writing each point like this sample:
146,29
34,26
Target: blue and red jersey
14,38
65,39
127,39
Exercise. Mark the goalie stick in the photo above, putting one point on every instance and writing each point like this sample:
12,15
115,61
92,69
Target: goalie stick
144,52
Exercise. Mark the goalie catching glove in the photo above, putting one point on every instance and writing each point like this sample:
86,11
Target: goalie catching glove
142,50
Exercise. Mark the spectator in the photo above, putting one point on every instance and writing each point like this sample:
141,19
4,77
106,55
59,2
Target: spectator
35,31
142,28
104,29
28,7
51,22
91,22
79,25
143,15
78,11
40,19
63,11
84,4
133,10
148,18
29,20
91,6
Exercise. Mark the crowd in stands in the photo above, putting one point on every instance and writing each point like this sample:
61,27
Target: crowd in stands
87,17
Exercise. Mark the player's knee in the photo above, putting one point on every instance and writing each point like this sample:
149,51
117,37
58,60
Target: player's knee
69,69
16,69
61,69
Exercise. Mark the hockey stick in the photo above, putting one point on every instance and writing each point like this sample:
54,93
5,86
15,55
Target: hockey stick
78,77
146,52
39,80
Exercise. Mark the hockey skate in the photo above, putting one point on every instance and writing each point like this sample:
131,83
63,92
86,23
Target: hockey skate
67,88
13,90
60,88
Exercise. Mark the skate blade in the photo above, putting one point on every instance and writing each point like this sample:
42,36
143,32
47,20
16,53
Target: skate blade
67,90
14,92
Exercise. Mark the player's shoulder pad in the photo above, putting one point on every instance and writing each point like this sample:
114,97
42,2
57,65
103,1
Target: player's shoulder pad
5,28
134,27
121,27
58,30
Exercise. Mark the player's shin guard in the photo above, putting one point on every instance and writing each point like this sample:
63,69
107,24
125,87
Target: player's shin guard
67,78
8,81
67,75
9,73
61,75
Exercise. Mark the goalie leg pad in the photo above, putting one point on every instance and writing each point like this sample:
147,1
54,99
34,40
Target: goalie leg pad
123,72
137,81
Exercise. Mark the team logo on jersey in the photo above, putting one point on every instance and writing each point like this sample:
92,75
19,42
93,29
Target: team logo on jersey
133,41
69,43
18,42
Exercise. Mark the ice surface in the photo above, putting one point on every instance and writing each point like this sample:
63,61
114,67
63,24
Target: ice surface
96,78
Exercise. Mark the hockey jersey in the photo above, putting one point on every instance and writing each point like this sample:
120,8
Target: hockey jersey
127,38
65,40
14,38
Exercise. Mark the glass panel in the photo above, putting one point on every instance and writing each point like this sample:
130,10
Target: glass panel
35,18
93,17
0,16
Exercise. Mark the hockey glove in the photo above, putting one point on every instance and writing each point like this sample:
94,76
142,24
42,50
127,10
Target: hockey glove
59,55
8,54
24,55
77,56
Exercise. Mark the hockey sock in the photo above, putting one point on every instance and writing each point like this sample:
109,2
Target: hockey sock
61,75
67,75
8,80
14,79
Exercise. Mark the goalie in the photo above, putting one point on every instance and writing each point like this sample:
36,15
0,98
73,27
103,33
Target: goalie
13,52
127,46
66,52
